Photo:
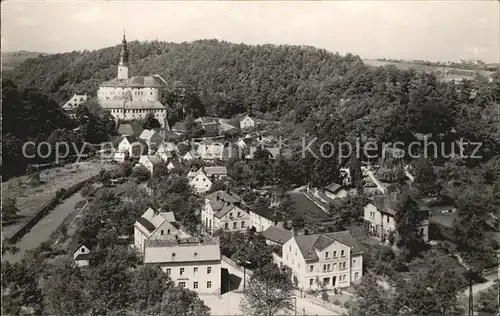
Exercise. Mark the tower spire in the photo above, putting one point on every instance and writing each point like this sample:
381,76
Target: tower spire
124,52
123,64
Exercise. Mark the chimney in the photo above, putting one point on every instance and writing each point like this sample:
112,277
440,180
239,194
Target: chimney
295,232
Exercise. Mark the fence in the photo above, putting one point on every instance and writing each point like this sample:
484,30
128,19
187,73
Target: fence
59,196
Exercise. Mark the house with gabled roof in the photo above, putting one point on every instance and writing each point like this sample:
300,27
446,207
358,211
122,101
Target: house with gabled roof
190,155
209,150
130,129
152,138
200,182
82,255
150,162
154,225
323,261
261,218
276,236
191,262
224,210
167,150
380,218
244,121
129,147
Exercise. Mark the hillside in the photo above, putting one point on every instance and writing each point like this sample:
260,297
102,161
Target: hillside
445,73
13,59
327,94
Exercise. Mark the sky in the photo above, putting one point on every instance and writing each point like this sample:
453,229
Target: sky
425,30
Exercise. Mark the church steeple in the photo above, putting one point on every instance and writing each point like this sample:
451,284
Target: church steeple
123,65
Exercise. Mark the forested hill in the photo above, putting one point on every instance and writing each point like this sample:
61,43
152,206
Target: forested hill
328,94
257,78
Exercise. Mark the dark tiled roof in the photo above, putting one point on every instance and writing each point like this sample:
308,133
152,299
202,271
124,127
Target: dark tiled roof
277,235
266,212
333,187
147,224
130,129
87,244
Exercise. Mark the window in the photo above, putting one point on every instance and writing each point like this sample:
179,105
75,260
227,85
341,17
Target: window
195,285
209,270
326,280
182,284
290,248
342,253
354,262
334,266
324,267
239,214
173,255
169,271
168,231
230,215
235,225
209,284
326,255
83,249
226,226
311,268
162,232
195,270
356,276
311,282
195,254
335,254
242,224
387,219
328,267
182,271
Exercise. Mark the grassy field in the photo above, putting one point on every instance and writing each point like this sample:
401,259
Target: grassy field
29,198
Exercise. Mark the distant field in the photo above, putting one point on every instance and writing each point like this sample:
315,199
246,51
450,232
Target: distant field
30,198
449,73
13,59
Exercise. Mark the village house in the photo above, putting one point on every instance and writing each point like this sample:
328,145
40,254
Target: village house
154,225
73,103
223,210
81,255
200,182
129,147
150,162
276,236
244,121
151,138
335,191
209,124
193,263
271,152
244,142
167,150
175,163
130,129
323,261
209,150
215,173
190,155
379,217
261,218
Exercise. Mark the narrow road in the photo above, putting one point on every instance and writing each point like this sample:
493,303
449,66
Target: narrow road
44,228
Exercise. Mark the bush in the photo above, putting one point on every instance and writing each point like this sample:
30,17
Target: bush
347,304
141,174
87,189
60,193
324,296
126,168
337,302
399,264
386,254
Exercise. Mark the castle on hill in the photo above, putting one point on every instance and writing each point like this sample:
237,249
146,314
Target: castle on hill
130,98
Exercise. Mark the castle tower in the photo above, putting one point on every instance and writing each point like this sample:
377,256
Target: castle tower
123,65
